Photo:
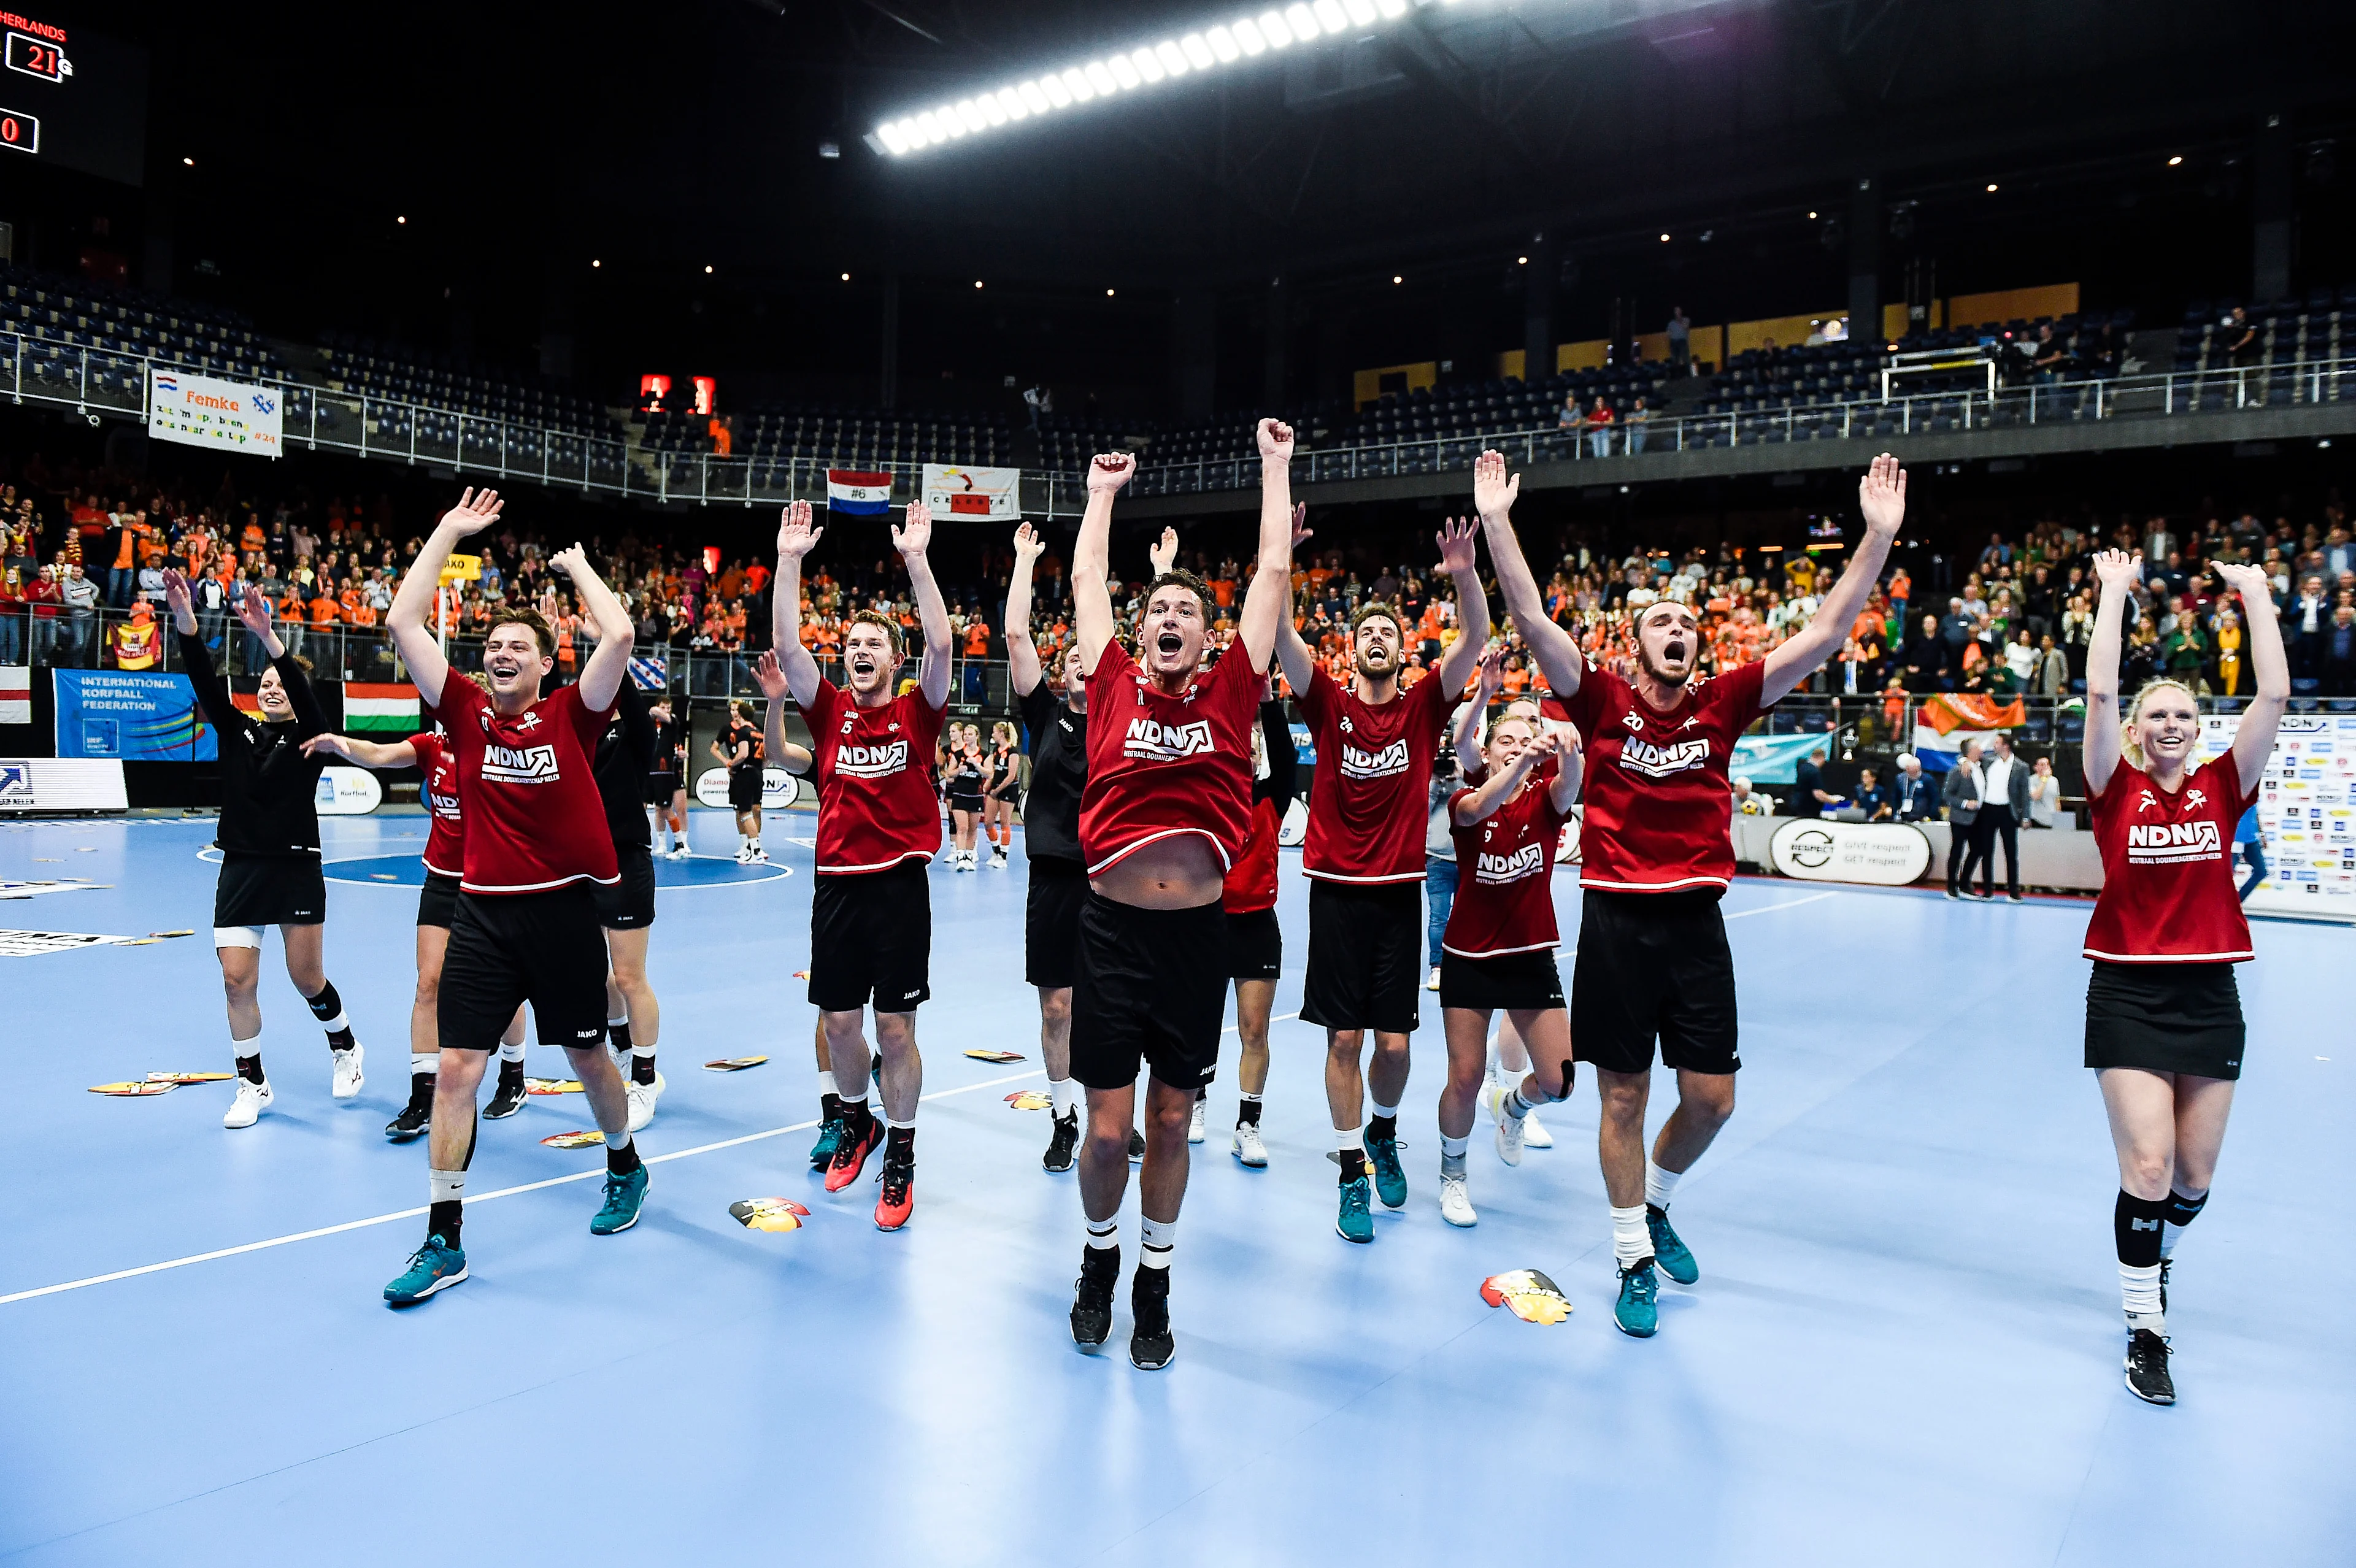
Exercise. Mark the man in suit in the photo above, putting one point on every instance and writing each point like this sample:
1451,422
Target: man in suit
2004,806
1912,797
1961,795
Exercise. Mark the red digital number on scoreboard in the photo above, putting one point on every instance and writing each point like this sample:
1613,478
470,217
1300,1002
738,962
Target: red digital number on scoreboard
37,57
22,132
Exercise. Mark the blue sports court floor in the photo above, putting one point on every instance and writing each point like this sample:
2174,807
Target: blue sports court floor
1904,1347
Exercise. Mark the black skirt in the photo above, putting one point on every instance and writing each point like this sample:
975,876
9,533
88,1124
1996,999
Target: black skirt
2166,1018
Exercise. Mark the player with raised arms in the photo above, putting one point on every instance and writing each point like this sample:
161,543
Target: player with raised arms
1375,742
525,926
1652,961
878,824
1165,810
2164,1028
268,837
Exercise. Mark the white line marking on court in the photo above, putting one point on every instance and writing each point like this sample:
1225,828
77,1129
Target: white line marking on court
1787,904
473,1197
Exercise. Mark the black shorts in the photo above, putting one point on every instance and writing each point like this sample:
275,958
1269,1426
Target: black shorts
2166,1018
269,890
630,904
509,948
1051,924
436,900
872,938
1653,966
971,803
1365,957
1510,982
660,787
1255,945
1152,989
744,788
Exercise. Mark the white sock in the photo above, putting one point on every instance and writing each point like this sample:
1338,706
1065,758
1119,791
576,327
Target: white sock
2139,1293
1104,1234
1451,1155
1659,1184
642,1050
1064,1097
1351,1138
1630,1242
511,1051
826,1082
1390,1111
618,1140
860,1100
445,1186
908,1126
418,1064
1159,1237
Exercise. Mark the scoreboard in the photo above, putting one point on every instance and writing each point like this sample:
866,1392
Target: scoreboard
71,97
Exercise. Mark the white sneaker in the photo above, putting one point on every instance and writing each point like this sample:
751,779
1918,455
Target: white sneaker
1510,1128
676,852
1431,982
642,1101
252,1099
1534,1135
348,1076
1194,1133
743,854
1455,1203
760,855
1493,1100
1247,1149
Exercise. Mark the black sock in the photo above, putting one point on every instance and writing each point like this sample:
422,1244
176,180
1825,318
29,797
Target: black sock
1384,1127
900,1144
340,1039
642,1068
509,1071
327,1007
250,1068
2135,1222
619,1033
1354,1164
856,1118
2183,1211
623,1160
830,1107
442,1220
1248,1114
421,1088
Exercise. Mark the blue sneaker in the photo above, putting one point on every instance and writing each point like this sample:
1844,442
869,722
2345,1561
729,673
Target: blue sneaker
1635,1312
830,1134
1675,1258
624,1195
436,1265
1353,1223
1390,1181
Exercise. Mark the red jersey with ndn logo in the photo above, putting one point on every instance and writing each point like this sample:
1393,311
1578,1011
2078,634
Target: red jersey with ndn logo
1504,873
875,801
1160,765
534,819
1656,783
1367,805
1251,881
2167,870
446,841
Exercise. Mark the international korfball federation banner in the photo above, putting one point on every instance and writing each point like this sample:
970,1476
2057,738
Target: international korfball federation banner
132,718
953,491
2306,814
204,410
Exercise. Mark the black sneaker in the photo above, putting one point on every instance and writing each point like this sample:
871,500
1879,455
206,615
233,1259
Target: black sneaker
1151,1345
1136,1146
2147,1376
1092,1304
417,1117
508,1098
1060,1142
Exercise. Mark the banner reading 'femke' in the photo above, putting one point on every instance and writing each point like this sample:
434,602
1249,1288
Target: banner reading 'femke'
204,410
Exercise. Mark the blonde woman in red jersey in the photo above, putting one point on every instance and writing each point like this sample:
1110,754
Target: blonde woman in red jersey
2164,1030
1654,858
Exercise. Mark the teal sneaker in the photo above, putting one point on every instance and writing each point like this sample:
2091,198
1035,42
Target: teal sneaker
624,1196
1675,1258
1390,1181
830,1134
436,1265
1353,1223
1635,1312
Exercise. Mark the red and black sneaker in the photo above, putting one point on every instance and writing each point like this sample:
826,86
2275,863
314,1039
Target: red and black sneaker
898,1199
850,1152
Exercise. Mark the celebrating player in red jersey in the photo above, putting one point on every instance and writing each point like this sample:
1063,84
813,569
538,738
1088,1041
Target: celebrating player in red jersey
1165,811
1364,855
1498,950
2164,1028
878,824
524,927
1652,961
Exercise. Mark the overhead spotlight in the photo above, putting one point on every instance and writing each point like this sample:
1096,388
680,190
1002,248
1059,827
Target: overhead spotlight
596,263
1248,36
829,149
190,163
1173,58
977,283
1664,239
2175,159
1396,279
1108,293
1812,215
1102,78
707,270
1197,51
846,277
1124,71
1303,21
1273,27
1521,261
402,219
1991,187
1223,44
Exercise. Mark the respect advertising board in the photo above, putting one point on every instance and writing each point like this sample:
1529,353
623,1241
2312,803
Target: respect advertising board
1890,853
205,410
2306,814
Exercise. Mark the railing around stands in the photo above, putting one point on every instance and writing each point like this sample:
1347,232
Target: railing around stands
43,370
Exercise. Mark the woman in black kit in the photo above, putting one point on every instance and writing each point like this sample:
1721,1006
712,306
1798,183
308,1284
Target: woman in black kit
269,840
1005,778
961,779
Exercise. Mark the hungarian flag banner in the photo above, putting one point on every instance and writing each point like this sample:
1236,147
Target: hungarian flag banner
371,709
1949,710
858,493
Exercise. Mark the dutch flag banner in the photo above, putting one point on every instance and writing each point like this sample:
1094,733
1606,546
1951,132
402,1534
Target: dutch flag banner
858,493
